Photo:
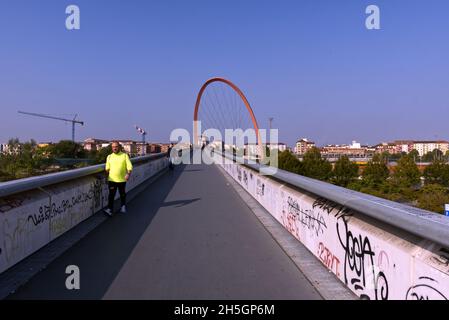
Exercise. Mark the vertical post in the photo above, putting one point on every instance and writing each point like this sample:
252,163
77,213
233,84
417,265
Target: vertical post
73,131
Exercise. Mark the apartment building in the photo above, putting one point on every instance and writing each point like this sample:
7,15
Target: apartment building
424,147
303,145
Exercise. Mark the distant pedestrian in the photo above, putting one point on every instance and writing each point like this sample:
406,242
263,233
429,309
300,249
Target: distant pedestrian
118,168
171,165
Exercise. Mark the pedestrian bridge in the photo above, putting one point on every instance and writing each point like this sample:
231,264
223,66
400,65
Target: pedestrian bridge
222,231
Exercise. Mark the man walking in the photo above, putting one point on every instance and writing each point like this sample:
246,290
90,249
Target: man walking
118,168
171,165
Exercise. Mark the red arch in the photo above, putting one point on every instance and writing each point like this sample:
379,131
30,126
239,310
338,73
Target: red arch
242,96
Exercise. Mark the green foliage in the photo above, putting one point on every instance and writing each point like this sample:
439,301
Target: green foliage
406,172
376,180
344,171
22,160
435,155
392,157
433,197
414,154
316,167
101,155
68,149
376,172
289,162
26,159
437,173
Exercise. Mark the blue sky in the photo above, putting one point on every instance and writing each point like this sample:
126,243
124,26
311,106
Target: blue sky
312,65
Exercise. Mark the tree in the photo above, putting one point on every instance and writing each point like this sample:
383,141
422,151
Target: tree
414,154
395,156
433,197
25,158
21,160
14,145
376,172
289,162
436,154
316,167
386,155
428,157
437,173
68,149
406,173
344,171
102,154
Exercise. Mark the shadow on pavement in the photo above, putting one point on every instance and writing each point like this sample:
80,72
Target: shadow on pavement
102,253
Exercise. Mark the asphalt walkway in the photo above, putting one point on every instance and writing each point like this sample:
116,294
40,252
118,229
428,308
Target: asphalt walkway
187,236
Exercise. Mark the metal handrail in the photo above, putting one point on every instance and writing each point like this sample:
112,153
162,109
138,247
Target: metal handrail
422,223
26,184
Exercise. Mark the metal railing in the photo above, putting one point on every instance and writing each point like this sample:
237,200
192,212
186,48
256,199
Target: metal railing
22,185
422,223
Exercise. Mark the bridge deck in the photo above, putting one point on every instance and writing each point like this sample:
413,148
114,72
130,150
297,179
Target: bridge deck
187,236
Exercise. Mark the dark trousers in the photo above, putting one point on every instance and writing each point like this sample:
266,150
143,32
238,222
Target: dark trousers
113,186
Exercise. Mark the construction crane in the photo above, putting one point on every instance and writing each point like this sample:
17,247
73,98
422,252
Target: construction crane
73,121
143,133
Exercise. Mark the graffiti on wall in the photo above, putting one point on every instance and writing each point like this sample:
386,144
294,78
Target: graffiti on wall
22,232
18,235
9,203
245,179
426,289
290,217
47,212
355,250
313,221
329,207
295,215
329,259
360,272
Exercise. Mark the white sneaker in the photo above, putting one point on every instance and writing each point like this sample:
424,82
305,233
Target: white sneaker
108,212
123,209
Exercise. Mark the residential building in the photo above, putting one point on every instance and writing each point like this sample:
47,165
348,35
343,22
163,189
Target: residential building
155,148
253,148
129,146
353,151
279,146
143,148
95,144
303,145
389,147
424,147
164,147
403,146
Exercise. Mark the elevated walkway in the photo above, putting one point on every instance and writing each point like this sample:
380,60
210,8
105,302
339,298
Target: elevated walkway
189,235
